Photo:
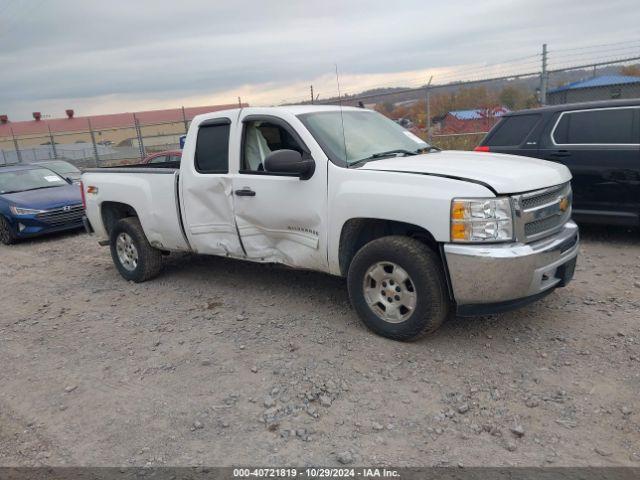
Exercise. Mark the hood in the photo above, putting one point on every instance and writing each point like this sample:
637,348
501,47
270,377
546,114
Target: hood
503,173
45,198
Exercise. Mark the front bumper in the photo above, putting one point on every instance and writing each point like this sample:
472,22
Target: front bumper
510,275
28,229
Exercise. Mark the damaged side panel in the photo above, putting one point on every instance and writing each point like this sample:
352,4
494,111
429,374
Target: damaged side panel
208,215
288,235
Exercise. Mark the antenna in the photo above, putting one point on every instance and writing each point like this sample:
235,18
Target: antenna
344,138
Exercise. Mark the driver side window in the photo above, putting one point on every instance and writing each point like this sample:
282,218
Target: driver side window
260,139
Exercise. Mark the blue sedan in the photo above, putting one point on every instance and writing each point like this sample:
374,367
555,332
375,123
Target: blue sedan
35,200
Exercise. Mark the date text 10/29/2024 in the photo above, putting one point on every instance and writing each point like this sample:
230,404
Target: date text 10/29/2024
315,473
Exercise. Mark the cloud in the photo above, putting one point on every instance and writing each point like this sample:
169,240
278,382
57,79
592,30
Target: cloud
123,55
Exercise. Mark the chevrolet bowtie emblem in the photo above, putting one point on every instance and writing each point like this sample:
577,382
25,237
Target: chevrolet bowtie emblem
564,204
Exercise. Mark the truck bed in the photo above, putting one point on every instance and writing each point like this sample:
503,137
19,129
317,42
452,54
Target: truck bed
151,191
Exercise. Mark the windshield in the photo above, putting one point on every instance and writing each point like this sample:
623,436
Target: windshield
61,167
32,179
366,134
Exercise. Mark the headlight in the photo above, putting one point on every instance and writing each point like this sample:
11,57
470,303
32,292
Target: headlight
24,211
481,220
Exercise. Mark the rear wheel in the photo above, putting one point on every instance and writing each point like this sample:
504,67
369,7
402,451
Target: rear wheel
7,235
397,287
131,252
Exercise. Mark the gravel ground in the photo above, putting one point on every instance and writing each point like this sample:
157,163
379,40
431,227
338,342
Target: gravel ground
221,362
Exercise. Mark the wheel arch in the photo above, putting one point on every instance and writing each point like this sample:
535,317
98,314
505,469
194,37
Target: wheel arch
112,212
357,232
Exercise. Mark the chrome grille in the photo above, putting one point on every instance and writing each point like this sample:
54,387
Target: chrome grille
541,199
62,216
543,212
538,226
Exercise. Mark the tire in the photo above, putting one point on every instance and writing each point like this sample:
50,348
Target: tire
133,256
7,235
422,301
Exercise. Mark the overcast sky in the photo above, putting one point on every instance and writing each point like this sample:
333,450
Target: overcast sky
113,56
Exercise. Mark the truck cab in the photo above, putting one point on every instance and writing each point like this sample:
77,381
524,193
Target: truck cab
417,232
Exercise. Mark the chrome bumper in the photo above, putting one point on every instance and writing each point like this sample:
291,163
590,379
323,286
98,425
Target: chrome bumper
500,273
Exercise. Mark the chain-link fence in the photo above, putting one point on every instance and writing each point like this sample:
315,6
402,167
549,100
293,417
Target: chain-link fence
457,141
106,146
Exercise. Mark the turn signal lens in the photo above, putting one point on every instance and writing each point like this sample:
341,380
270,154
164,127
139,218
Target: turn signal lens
459,231
458,210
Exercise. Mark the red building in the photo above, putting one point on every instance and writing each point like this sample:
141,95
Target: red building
471,121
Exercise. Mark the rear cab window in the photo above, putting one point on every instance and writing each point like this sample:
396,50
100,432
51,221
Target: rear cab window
212,147
512,130
613,126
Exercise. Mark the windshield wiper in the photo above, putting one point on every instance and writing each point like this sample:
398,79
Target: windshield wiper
379,155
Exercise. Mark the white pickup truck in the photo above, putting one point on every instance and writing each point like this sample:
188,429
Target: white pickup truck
418,233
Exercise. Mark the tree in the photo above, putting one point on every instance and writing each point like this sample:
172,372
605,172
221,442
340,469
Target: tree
511,97
631,70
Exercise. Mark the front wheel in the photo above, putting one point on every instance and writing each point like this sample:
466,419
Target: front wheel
132,253
397,287
7,235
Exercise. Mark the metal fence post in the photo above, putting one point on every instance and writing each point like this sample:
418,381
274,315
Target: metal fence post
184,119
15,145
93,142
139,134
53,143
428,109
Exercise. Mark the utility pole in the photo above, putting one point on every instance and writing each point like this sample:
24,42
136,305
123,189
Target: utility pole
312,94
544,76
428,108
239,102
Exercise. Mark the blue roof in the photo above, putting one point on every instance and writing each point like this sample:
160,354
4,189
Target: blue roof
601,81
476,114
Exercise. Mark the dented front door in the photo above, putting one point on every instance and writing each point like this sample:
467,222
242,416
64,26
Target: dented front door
282,219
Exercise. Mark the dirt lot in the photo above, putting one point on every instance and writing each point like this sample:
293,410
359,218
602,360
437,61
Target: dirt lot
222,362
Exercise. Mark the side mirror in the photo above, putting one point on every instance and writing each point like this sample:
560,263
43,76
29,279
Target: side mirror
289,161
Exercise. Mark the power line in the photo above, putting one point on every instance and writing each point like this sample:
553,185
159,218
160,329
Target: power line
485,80
475,71
595,63
516,68
610,51
593,46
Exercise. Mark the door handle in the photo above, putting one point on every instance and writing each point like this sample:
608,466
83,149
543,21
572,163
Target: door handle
560,154
245,192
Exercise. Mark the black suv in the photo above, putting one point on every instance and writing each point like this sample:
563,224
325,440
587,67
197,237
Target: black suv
598,141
